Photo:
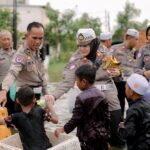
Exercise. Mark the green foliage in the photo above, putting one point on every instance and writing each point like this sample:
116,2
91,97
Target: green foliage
126,19
62,30
55,70
6,18
88,22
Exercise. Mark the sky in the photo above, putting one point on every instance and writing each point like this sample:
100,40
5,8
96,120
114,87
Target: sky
98,8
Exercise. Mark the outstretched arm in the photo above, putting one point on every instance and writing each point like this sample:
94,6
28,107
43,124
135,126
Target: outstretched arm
50,109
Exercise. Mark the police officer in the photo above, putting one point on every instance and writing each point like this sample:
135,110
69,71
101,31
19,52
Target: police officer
105,41
106,51
27,67
87,53
143,61
125,55
6,55
143,58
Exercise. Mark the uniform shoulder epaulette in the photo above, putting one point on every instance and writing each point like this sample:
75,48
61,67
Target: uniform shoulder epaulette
27,51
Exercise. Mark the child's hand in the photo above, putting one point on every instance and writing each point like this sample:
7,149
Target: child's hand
58,131
121,125
113,72
50,98
50,109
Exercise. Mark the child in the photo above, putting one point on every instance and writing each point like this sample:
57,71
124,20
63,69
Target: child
136,128
90,115
30,122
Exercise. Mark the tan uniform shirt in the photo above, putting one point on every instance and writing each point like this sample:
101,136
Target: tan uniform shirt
126,58
143,60
104,50
102,77
5,62
27,68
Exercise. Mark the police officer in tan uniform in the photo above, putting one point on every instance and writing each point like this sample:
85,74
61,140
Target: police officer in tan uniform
107,53
105,42
125,55
6,55
87,52
113,69
143,61
27,67
143,57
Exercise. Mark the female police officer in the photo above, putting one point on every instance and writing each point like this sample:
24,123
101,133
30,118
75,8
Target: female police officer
87,53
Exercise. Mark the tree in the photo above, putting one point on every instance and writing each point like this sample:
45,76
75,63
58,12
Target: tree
52,31
62,28
6,18
126,19
88,22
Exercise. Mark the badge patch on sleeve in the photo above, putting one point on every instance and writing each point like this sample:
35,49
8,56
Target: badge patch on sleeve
19,59
139,55
72,66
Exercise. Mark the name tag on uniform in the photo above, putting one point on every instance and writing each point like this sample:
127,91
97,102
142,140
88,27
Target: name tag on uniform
37,90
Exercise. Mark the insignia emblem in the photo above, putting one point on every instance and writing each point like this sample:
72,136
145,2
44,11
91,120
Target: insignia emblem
136,85
19,59
80,37
139,55
72,66
27,51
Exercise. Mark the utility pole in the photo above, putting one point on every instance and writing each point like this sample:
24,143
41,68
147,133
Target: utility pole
107,21
14,24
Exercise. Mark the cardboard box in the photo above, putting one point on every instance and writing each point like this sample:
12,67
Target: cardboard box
64,142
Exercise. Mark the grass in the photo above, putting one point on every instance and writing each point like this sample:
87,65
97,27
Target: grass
55,71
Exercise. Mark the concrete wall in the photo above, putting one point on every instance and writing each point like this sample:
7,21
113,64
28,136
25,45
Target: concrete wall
28,14
10,2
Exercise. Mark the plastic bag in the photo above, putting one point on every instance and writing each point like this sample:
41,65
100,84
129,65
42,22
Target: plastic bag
12,91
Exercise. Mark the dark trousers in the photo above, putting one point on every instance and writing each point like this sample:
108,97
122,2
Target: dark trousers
121,94
116,139
94,145
10,105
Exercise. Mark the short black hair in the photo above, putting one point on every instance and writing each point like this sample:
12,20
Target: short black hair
87,72
147,29
34,24
25,95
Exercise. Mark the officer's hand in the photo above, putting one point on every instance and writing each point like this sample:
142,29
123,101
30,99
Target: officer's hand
114,72
3,97
121,125
147,74
50,98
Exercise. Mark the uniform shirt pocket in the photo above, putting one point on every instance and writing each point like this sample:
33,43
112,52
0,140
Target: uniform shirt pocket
30,66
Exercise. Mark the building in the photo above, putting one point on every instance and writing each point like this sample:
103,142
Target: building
26,13
10,2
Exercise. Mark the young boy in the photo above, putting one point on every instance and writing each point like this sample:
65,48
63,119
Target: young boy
30,122
90,115
136,128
